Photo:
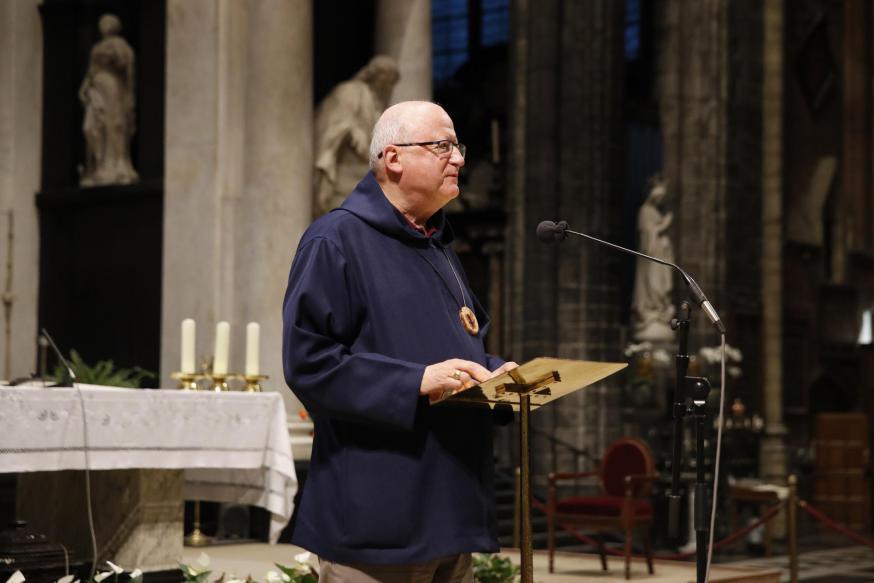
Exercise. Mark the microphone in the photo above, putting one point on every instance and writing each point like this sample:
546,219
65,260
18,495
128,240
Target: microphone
68,377
552,232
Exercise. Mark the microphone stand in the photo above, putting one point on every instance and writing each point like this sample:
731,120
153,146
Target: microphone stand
691,389
695,389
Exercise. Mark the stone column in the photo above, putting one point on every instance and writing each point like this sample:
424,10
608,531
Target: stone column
403,31
772,458
856,91
566,162
20,156
275,208
590,137
693,80
238,170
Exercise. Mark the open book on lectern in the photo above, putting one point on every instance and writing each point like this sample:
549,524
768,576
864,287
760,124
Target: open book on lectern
543,379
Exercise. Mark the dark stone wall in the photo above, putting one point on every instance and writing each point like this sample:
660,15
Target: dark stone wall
565,300
742,309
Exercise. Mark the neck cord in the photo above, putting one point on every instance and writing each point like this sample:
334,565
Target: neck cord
458,279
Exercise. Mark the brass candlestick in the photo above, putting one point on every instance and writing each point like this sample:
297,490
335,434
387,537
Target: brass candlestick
253,382
197,538
219,382
187,380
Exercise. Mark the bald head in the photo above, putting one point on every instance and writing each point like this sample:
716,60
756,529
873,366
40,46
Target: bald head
396,125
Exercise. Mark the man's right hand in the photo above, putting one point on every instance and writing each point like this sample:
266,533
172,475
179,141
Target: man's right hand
452,375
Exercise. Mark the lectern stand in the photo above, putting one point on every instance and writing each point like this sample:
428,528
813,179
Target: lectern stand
527,388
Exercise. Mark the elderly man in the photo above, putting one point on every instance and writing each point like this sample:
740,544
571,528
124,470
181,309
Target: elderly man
378,317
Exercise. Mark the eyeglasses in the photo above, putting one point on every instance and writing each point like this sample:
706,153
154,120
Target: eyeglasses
441,147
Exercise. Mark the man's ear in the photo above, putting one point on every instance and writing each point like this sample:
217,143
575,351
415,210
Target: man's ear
391,159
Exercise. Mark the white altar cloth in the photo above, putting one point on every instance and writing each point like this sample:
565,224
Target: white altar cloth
234,447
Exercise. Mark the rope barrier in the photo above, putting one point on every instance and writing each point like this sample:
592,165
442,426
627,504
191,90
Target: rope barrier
817,514
732,537
769,514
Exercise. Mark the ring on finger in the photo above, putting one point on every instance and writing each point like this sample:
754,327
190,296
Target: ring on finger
457,375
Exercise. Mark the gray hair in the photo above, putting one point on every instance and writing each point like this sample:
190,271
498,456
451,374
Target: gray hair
389,129
393,126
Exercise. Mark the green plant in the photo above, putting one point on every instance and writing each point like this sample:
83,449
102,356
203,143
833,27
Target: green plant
494,569
104,373
298,573
198,572
302,571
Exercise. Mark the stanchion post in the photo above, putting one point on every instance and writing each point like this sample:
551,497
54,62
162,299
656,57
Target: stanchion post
197,538
517,503
792,520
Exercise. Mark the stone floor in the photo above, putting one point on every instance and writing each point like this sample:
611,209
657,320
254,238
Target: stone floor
256,559
841,565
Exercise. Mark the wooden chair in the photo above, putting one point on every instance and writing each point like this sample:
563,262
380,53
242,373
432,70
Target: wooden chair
626,476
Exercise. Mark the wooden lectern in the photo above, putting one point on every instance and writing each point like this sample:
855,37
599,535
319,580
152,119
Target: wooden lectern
529,387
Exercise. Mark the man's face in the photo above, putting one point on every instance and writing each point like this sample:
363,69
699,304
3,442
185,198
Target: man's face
426,172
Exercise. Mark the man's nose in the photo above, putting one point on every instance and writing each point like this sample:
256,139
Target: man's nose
456,158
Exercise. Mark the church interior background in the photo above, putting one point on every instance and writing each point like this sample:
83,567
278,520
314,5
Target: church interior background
755,117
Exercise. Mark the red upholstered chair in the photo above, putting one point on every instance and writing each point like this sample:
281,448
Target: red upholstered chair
626,476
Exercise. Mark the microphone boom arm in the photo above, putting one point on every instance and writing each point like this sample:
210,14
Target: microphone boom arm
694,289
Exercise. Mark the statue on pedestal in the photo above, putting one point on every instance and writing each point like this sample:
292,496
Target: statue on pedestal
651,304
343,126
107,94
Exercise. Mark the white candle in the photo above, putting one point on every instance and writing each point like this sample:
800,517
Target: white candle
188,331
253,329
222,342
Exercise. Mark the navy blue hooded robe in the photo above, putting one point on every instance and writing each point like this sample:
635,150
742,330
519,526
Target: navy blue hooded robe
370,303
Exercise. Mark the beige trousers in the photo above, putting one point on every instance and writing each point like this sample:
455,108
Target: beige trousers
454,569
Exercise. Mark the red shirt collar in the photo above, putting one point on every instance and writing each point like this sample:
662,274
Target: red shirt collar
425,231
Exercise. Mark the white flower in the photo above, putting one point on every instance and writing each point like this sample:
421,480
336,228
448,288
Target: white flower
115,568
194,571
710,354
16,577
101,576
303,557
67,579
732,353
200,566
274,577
661,356
136,574
631,349
713,354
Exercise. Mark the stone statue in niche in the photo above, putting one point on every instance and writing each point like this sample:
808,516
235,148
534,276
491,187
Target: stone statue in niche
343,125
107,95
651,304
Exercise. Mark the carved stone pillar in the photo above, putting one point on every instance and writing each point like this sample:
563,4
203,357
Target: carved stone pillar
20,122
238,169
403,31
693,100
568,165
772,458
856,91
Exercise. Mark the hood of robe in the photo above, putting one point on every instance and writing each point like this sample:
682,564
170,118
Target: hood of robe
369,203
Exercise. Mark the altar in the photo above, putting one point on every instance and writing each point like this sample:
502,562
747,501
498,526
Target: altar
165,446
